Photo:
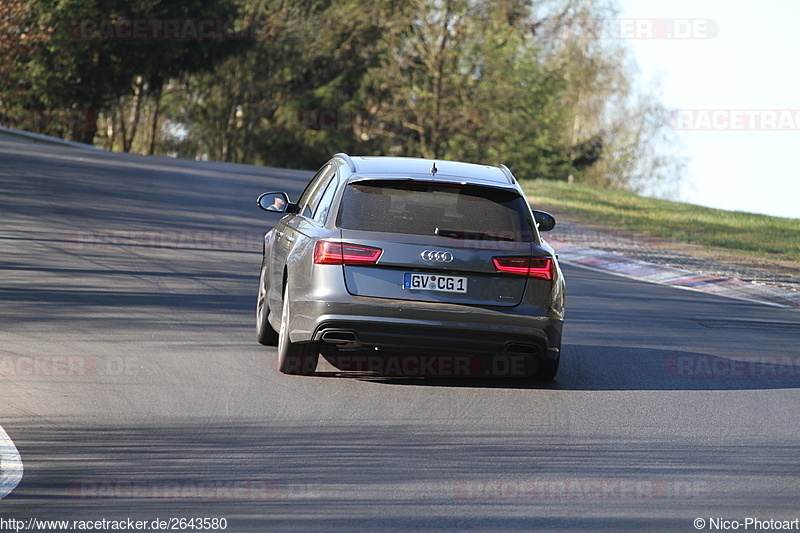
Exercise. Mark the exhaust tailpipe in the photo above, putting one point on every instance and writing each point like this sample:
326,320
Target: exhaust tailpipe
339,336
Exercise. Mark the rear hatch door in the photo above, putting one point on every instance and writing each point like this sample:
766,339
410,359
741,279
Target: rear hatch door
438,241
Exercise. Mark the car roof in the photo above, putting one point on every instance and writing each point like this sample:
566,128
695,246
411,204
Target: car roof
419,168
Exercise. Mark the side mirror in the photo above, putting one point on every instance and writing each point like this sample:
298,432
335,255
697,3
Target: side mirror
544,221
276,202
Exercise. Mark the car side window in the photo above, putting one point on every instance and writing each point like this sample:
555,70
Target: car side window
303,200
310,197
326,200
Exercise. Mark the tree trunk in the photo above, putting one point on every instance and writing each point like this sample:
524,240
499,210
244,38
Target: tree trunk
127,140
156,115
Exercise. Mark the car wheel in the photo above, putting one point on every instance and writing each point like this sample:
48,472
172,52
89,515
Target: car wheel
293,358
547,369
265,334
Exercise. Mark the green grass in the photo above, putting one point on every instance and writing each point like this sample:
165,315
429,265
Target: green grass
738,232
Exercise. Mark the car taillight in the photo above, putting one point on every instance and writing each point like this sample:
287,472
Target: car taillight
342,253
535,267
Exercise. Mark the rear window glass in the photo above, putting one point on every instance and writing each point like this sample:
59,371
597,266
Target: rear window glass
430,209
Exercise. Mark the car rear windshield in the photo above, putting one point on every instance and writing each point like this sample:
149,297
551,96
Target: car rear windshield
420,208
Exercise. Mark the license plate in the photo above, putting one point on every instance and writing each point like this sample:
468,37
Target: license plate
434,282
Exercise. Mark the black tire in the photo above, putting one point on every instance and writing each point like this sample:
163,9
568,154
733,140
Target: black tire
265,334
293,358
547,369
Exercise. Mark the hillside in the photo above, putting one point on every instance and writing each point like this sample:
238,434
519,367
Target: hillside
733,236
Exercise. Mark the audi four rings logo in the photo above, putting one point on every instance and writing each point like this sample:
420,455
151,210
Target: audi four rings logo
439,257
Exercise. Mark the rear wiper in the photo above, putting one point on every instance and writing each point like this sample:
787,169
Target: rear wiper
466,234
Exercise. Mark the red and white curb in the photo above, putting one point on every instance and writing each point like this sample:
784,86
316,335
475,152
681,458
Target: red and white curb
643,270
10,465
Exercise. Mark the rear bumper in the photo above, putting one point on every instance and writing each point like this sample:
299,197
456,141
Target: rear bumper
420,326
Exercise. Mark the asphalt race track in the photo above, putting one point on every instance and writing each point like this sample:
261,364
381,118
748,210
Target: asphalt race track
133,387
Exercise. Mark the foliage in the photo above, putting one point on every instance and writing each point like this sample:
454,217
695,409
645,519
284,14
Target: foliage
22,36
525,82
90,70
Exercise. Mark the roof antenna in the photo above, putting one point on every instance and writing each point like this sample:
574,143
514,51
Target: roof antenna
434,170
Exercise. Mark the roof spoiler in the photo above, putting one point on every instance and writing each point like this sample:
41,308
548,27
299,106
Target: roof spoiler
347,159
507,172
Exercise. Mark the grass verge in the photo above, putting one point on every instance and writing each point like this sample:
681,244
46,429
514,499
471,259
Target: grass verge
735,231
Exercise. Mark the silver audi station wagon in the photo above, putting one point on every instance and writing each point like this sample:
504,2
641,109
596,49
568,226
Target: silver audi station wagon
403,266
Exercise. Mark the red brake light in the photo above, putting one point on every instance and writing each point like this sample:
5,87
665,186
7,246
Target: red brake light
535,267
342,253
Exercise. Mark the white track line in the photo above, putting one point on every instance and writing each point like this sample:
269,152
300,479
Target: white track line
10,465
